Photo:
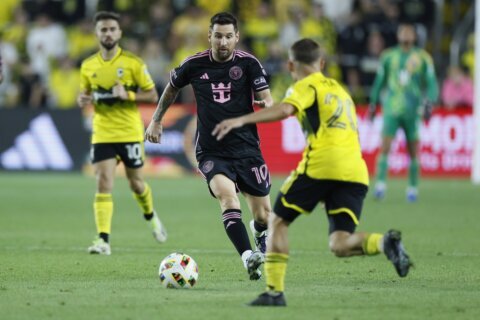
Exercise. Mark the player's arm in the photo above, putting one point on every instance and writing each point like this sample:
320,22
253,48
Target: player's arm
263,99
84,97
377,87
278,112
154,130
431,82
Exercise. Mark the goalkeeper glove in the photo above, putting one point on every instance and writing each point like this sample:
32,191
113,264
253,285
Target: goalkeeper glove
427,110
372,109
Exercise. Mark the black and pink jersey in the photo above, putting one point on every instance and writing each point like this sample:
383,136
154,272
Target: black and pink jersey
222,91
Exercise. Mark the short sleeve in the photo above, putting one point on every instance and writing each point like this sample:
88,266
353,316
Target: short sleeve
84,81
179,77
301,96
143,77
257,76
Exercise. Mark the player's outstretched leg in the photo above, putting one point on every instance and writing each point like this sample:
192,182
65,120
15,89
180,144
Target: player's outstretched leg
253,264
260,237
395,252
267,299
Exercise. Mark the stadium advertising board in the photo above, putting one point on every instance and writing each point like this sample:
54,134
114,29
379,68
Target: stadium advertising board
42,140
446,143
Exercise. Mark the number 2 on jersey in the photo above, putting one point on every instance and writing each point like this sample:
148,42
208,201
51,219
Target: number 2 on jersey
333,121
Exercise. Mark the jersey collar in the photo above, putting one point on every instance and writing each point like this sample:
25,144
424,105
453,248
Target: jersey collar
119,52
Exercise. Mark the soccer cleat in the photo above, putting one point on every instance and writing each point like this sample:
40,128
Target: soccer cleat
380,190
159,231
253,263
260,238
395,252
412,194
269,299
99,246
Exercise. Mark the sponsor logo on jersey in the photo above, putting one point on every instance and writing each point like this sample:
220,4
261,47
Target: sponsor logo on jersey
221,92
235,72
120,72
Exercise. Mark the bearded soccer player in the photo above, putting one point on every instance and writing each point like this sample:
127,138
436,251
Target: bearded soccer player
332,171
408,75
224,81
114,80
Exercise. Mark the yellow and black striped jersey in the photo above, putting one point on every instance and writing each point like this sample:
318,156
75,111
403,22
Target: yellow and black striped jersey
327,114
115,120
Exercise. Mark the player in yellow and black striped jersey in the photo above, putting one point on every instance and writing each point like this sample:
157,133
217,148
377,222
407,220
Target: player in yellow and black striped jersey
332,171
114,80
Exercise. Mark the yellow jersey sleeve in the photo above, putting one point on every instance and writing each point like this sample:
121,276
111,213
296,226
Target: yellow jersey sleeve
142,77
300,96
84,81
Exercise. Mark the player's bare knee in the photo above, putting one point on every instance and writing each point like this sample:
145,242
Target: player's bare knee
228,201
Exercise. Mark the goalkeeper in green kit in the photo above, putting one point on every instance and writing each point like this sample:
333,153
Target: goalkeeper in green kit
407,74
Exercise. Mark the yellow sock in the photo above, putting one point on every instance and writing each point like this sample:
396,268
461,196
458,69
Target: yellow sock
145,200
371,244
275,269
103,210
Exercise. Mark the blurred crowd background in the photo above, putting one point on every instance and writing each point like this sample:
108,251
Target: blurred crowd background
42,42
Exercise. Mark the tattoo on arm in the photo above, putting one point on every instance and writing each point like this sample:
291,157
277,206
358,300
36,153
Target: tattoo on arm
168,97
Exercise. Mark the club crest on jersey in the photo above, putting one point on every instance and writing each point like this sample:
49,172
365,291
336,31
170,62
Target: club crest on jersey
120,72
235,72
221,92
207,166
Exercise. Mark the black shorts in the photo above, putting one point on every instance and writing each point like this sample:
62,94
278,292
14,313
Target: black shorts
250,175
343,200
131,153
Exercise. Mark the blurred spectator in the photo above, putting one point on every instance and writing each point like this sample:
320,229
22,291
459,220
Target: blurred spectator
63,84
32,91
418,12
16,31
160,20
351,40
50,8
214,6
192,25
7,8
457,89
319,28
355,87
370,59
260,30
275,60
8,90
46,40
290,30
158,62
81,40
468,57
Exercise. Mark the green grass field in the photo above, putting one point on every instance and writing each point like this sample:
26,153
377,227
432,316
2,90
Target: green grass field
46,224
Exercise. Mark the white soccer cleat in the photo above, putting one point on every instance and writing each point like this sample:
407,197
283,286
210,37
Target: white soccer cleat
253,264
260,238
99,246
159,231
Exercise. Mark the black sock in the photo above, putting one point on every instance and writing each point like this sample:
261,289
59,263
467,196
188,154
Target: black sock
236,231
259,227
103,236
148,216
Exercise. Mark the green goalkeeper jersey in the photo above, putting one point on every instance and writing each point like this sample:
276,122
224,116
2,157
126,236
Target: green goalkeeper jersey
408,77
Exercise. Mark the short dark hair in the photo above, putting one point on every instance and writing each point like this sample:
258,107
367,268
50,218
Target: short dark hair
224,18
106,15
306,51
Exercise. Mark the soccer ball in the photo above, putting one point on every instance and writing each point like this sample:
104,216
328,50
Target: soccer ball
178,270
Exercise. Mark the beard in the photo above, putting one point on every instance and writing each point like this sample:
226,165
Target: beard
406,44
108,45
224,54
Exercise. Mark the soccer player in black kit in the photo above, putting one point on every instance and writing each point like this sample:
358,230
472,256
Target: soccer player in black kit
225,82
